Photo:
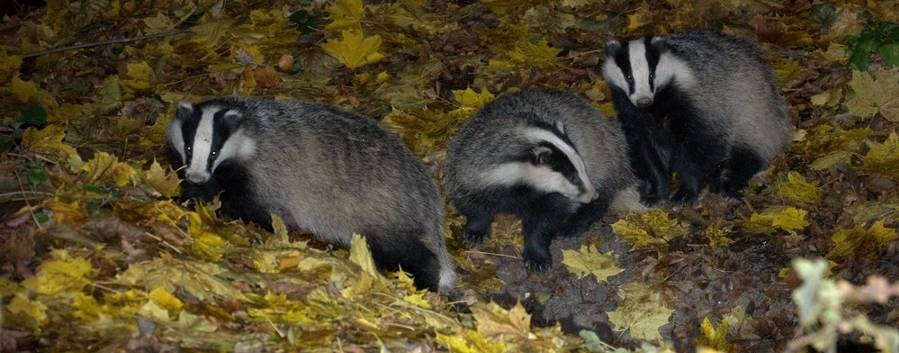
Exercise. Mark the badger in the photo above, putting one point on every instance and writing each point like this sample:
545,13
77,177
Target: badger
546,156
326,171
701,104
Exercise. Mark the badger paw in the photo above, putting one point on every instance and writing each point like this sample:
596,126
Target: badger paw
537,261
473,238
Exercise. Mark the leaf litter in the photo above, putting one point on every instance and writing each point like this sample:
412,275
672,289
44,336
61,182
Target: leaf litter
97,253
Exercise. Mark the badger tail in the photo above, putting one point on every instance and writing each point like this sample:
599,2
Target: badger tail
407,251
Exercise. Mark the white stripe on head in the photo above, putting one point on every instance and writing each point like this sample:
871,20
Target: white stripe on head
640,70
542,177
671,68
173,134
613,74
238,145
196,170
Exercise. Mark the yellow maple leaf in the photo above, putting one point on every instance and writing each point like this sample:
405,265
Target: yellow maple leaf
860,242
353,49
649,229
873,96
469,102
63,275
525,54
494,322
717,235
162,181
48,141
345,15
640,311
167,301
795,187
24,91
784,218
25,313
105,167
587,260
9,66
471,341
138,76
883,157
714,337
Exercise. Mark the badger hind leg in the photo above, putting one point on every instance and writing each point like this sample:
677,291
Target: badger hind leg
405,249
739,168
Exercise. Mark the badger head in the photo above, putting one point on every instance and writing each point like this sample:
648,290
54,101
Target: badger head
203,137
547,162
640,68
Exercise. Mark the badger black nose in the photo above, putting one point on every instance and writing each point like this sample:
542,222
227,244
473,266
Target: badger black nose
644,102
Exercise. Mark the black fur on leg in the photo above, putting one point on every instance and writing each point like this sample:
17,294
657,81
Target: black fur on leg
586,215
478,220
697,148
738,169
393,250
543,220
646,136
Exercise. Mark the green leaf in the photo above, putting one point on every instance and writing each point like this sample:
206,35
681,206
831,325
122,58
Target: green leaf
33,115
890,54
305,21
36,176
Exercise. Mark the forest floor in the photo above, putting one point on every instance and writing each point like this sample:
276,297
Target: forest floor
97,254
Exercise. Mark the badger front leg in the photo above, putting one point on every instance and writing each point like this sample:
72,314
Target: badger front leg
543,220
477,222
586,215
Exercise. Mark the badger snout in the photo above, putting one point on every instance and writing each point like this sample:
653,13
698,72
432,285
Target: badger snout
196,177
643,102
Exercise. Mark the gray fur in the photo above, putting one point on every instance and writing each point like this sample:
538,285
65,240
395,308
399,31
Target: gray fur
735,89
491,138
334,173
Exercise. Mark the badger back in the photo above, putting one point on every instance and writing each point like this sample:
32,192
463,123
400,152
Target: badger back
735,87
494,147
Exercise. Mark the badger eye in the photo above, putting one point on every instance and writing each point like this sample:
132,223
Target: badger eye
213,155
652,76
629,77
188,148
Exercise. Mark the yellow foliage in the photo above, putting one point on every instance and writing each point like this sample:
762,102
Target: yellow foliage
883,157
138,76
717,235
783,218
63,275
162,181
71,212
860,242
9,66
105,167
873,96
24,91
495,322
714,337
587,260
353,49
640,311
345,15
48,141
26,313
797,188
167,301
525,53
206,244
471,341
650,229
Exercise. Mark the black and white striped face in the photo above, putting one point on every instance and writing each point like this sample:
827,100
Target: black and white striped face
639,68
550,165
204,136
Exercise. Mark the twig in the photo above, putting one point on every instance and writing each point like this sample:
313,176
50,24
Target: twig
28,202
106,42
492,254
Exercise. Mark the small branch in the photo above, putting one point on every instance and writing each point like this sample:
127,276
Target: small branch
97,44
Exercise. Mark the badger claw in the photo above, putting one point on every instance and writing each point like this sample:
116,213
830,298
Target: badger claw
473,238
537,262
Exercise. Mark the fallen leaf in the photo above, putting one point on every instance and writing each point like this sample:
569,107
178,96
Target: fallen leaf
875,95
353,49
777,218
858,242
795,187
883,157
587,261
640,311
649,229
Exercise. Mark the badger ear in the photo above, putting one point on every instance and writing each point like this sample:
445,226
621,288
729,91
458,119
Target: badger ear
185,110
561,126
540,155
233,119
612,46
659,44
